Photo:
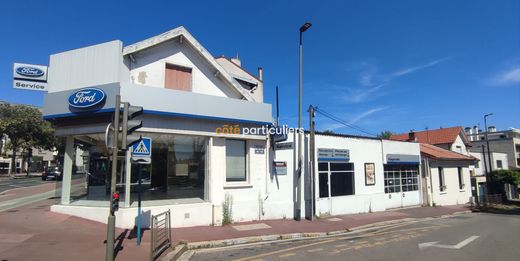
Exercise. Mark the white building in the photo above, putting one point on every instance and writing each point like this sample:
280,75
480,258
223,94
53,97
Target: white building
352,175
187,96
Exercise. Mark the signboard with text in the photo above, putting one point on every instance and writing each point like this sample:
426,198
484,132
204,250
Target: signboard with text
30,77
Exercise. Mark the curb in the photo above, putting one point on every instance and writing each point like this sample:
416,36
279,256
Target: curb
175,254
190,248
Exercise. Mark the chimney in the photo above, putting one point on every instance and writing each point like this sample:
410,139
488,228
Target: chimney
261,74
475,130
469,133
237,61
411,136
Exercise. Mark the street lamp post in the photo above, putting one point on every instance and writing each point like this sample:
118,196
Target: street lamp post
303,28
488,176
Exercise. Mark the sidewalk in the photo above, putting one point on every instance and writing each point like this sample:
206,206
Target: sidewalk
32,232
329,224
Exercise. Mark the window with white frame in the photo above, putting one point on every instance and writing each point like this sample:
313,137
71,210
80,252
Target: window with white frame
499,164
461,178
236,159
442,182
338,176
401,178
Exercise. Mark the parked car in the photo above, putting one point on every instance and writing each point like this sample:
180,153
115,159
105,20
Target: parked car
54,172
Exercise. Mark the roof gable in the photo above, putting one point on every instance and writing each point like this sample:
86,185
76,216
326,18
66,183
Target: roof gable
435,137
197,47
435,152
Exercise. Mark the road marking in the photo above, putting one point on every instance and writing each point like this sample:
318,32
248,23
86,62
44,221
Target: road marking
335,239
287,255
314,250
460,245
342,245
16,186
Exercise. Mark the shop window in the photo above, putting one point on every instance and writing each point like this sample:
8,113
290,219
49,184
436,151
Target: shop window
401,178
338,176
461,178
442,183
177,77
236,160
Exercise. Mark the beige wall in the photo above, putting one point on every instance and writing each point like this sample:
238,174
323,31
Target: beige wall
452,195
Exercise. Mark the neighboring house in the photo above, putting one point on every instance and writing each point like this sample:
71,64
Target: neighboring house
452,138
352,174
498,160
190,101
448,175
447,164
506,141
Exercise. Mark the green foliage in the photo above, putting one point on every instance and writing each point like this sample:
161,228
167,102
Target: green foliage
26,129
506,177
384,134
227,210
328,132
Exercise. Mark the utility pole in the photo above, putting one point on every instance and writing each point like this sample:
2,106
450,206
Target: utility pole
312,160
277,109
489,177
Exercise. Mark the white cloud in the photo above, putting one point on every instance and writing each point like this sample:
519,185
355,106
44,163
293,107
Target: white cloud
371,82
413,69
509,77
365,114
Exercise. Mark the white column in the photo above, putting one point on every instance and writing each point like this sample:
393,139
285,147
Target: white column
128,174
67,170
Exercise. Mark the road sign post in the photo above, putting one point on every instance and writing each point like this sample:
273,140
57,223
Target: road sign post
141,154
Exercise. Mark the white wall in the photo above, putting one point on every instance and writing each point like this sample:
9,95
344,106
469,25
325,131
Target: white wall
481,169
247,196
452,195
149,68
86,67
459,142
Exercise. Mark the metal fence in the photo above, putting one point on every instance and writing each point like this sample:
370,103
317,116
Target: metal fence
161,238
486,200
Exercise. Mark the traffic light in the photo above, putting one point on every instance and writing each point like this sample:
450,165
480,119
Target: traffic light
114,204
130,125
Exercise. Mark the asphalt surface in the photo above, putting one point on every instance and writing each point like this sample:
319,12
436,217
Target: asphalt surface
7,184
476,236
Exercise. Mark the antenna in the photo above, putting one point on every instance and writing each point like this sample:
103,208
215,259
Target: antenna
277,109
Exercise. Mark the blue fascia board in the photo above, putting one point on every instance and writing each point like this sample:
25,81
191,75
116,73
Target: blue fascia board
163,113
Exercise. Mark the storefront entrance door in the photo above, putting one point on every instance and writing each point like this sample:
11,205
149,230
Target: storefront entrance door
401,185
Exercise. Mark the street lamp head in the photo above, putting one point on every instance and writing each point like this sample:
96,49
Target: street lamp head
489,114
305,27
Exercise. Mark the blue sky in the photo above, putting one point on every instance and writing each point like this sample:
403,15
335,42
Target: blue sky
381,65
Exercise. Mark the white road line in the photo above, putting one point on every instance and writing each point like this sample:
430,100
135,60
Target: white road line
460,245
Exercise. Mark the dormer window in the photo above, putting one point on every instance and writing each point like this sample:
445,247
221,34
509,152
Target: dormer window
177,77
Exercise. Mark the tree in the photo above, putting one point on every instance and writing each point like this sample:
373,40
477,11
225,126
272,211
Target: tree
26,130
328,132
502,177
384,134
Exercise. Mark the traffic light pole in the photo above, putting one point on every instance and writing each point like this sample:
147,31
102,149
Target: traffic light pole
111,224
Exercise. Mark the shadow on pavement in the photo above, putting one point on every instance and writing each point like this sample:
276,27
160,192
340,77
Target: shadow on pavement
507,208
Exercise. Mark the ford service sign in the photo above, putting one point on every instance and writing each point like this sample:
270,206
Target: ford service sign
86,98
29,71
30,77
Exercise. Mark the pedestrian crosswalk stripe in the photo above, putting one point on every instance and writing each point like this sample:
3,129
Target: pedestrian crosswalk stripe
141,148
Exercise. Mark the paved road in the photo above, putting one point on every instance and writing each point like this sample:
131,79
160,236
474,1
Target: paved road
475,236
7,184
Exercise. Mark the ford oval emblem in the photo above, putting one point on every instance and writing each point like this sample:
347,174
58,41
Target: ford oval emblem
86,98
29,71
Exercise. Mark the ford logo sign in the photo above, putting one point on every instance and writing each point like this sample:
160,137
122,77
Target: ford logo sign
86,98
29,71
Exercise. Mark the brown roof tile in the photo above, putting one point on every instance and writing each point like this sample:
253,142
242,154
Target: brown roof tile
438,136
435,152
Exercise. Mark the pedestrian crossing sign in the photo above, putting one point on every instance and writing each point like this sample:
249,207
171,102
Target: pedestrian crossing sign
143,148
